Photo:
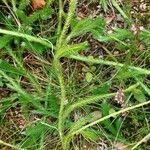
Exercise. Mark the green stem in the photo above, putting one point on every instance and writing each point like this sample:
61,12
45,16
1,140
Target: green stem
66,142
28,37
57,64
110,63
13,2
71,11
60,17
58,69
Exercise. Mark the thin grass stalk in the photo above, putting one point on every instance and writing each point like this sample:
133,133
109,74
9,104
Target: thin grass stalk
48,92
9,145
115,4
111,115
12,13
146,138
71,134
27,74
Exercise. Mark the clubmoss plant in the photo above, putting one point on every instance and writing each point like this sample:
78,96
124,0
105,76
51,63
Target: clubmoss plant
62,49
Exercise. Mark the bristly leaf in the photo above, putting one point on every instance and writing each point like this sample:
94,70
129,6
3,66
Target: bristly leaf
145,88
107,123
82,121
33,134
23,94
6,102
72,49
4,40
21,15
117,35
102,89
145,34
53,104
23,4
124,73
6,67
139,95
39,14
86,25
90,134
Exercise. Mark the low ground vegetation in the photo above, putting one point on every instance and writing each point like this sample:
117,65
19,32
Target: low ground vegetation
74,75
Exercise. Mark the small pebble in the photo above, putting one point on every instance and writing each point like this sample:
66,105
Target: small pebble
110,32
116,52
141,28
143,6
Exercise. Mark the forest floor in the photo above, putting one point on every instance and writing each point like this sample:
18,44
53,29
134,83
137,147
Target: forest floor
75,75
